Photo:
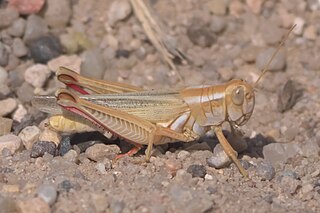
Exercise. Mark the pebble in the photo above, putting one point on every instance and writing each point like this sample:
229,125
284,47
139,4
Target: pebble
183,154
17,28
217,24
201,35
10,142
7,204
35,28
310,33
72,62
300,22
92,64
4,55
288,96
310,148
7,16
27,7
29,135
25,92
45,48
255,5
291,133
289,185
100,167
3,76
278,63
279,153
99,201
117,206
99,151
57,13
5,126
34,205
226,73
218,7
271,33
172,166
265,170
219,159
118,11
39,148
48,193
69,44
71,156
37,75
7,106
197,170
4,90
306,188
19,48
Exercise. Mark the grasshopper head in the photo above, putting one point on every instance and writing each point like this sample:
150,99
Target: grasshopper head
239,101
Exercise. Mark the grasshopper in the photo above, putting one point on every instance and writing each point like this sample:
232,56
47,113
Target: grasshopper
151,117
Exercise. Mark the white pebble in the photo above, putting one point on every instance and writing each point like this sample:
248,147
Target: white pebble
118,11
72,62
300,25
10,142
29,136
19,114
37,75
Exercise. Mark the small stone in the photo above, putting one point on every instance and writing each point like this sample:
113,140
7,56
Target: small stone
13,62
7,204
201,35
48,193
20,113
218,24
17,28
278,63
45,48
18,48
307,188
310,148
35,28
65,185
25,92
279,153
183,154
118,11
4,55
219,159
208,177
197,170
288,96
291,133
172,166
58,13
117,206
69,44
3,76
271,33
92,64
112,42
299,22
255,5
226,73
310,33
34,205
39,148
29,136
27,7
236,8
265,170
10,142
11,188
7,106
7,16
218,7
72,62
100,167
71,156
99,151
289,185
5,126
37,75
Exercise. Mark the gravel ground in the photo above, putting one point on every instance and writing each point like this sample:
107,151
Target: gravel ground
223,40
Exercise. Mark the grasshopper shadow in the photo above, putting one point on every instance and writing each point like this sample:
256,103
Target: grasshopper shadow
256,144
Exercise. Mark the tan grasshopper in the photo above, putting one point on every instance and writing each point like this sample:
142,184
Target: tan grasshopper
151,117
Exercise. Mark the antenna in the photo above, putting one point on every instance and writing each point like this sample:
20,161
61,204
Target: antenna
265,70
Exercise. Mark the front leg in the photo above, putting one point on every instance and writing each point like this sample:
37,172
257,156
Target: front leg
229,150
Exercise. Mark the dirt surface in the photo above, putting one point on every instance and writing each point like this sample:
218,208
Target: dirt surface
223,40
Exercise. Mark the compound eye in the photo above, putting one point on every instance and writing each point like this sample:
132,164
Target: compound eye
237,96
